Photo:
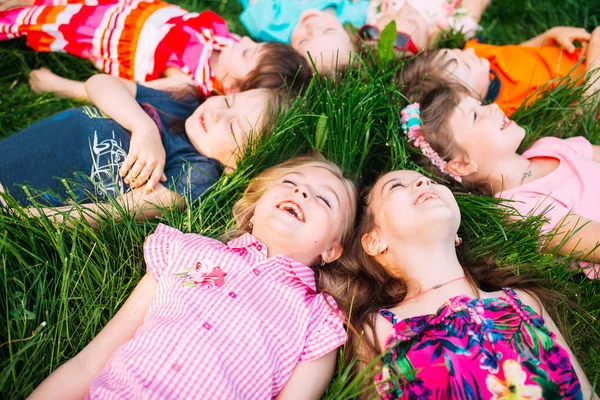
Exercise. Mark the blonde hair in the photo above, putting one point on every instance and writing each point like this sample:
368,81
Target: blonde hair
243,209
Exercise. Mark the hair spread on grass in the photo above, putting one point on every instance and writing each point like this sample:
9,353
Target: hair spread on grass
370,287
279,67
438,99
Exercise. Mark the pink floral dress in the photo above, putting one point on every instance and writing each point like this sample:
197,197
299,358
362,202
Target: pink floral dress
493,348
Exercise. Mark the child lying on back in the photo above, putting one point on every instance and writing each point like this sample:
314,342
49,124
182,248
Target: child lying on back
316,27
149,41
508,75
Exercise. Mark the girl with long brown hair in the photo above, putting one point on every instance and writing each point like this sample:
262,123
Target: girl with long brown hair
447,329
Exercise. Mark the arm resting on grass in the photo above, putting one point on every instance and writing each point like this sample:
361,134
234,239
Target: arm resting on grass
586,388
72,379
580,235
592,58
596,152
136,202
310,379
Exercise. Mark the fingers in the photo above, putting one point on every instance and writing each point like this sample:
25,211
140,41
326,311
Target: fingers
154,179
129,161
134,177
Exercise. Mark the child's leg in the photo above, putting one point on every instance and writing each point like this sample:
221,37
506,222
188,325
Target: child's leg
43,80
8,4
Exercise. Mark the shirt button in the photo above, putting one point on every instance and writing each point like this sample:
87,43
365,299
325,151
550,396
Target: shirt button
256,272
176,367
206,325
259,247
232,295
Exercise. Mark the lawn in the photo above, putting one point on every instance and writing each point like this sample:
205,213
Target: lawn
61,285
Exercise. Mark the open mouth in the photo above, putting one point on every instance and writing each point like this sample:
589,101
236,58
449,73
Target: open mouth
203,123
505,123
293,209
424,197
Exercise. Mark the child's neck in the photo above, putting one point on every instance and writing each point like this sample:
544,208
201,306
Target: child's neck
519,170
214,63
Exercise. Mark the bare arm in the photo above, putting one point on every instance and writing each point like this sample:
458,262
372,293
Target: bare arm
310,379
564,36
596,152
475,8
72,379
592,57
580,235
142,205
146,158
586,388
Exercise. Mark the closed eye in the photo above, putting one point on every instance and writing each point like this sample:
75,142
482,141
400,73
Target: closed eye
396,184
289,182
325,201
226,102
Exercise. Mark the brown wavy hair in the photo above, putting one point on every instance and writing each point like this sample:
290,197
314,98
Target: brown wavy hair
370,287
279,67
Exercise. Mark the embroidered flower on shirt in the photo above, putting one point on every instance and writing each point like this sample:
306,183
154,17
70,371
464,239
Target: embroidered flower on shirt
205,274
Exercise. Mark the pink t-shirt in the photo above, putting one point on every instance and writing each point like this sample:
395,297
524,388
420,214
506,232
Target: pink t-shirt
574,187
228,322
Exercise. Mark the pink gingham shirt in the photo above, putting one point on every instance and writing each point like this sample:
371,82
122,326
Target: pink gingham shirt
228,322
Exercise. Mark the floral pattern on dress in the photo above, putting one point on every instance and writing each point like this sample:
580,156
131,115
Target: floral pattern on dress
205,274
494,348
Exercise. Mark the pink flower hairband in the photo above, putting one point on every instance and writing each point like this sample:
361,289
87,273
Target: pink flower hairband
411,126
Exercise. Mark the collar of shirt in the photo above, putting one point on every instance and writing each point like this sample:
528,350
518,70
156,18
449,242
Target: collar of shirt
252,244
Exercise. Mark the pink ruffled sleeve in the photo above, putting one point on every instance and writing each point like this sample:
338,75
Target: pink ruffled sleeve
158,247
326,330
581,146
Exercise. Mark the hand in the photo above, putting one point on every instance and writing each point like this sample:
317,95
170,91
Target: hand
566,36
146,159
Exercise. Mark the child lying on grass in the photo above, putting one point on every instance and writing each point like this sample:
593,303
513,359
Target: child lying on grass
508,75
135,137
476,145
149,41
447,328
242,320
316,27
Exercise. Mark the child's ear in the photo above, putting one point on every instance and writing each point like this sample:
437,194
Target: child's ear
332,253
371,244
462,166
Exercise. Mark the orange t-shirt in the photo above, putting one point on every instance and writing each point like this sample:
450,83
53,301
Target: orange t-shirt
523,69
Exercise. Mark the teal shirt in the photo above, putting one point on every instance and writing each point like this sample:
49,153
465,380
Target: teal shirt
275,20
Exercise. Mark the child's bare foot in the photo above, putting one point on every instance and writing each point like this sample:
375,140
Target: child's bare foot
8,4
43,80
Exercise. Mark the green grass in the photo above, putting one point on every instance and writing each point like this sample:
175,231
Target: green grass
73,280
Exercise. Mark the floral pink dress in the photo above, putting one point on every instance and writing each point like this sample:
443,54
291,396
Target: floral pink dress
493,348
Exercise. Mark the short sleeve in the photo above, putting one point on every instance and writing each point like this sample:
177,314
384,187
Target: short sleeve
270,20
530,203
326,330
581,146
191,176
165,102
157,248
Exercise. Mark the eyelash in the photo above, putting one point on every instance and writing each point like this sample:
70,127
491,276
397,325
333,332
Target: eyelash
324,200
396,184
226,102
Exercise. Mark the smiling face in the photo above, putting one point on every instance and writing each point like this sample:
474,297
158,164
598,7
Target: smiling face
235,63
409,207
220,127
303,214
463,66
484,133
322,35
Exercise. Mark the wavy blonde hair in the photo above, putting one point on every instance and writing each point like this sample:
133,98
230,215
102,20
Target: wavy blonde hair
243,209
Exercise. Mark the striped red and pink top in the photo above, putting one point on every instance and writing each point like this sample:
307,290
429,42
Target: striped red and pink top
227,322
132,39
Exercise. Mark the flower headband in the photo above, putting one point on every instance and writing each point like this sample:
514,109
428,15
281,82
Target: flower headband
411,124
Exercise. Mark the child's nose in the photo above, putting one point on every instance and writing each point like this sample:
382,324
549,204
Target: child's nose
422,181
302,191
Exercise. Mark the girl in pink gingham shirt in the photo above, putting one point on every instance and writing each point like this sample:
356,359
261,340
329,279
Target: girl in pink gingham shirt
237,320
